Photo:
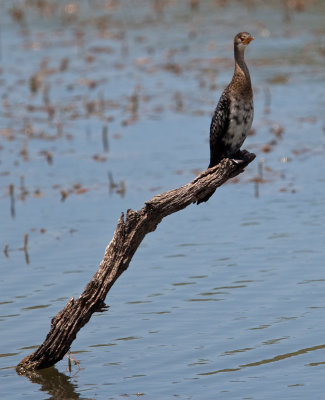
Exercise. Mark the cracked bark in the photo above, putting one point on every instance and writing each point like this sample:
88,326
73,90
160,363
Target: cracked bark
130,231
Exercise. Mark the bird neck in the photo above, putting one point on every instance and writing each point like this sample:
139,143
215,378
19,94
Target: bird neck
241,74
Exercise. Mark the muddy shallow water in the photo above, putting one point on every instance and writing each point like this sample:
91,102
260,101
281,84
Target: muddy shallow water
105,104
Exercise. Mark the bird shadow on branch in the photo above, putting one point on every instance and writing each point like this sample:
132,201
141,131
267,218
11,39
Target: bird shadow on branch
129,233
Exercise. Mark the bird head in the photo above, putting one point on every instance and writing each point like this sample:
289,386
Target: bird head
242,39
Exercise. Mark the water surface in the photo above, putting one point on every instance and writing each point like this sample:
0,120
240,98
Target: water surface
223,300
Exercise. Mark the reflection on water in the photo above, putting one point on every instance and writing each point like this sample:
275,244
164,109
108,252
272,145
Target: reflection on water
270,360
103,106
55,384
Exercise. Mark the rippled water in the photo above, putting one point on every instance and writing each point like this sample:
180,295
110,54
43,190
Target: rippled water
224,300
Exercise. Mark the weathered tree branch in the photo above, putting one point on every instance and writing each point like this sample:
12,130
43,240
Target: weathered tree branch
128,235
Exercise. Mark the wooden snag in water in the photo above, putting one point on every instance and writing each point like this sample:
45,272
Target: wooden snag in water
130,231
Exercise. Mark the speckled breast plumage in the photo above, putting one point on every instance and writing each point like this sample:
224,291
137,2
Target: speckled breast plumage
240,121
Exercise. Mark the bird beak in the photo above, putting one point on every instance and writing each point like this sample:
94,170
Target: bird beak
248,40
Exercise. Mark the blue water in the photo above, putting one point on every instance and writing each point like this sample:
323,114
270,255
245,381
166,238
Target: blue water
224,300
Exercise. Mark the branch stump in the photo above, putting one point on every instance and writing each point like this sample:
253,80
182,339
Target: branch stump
130,231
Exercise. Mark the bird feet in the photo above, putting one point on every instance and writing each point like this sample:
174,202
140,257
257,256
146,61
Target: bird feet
242,156
239,157
237,162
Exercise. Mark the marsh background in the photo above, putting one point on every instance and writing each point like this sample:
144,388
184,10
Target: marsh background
107,103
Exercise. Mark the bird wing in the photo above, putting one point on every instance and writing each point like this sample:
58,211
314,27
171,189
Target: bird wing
218,129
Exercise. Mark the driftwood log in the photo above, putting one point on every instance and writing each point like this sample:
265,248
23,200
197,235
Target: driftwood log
129,233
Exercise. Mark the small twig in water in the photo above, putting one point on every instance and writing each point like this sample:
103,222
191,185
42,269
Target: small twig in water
105,139
70,358
12,200
25,248
111,183
5,250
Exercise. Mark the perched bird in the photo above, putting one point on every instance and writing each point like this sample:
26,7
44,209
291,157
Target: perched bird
234,113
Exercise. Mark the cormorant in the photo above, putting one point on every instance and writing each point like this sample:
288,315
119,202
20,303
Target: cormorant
234,113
